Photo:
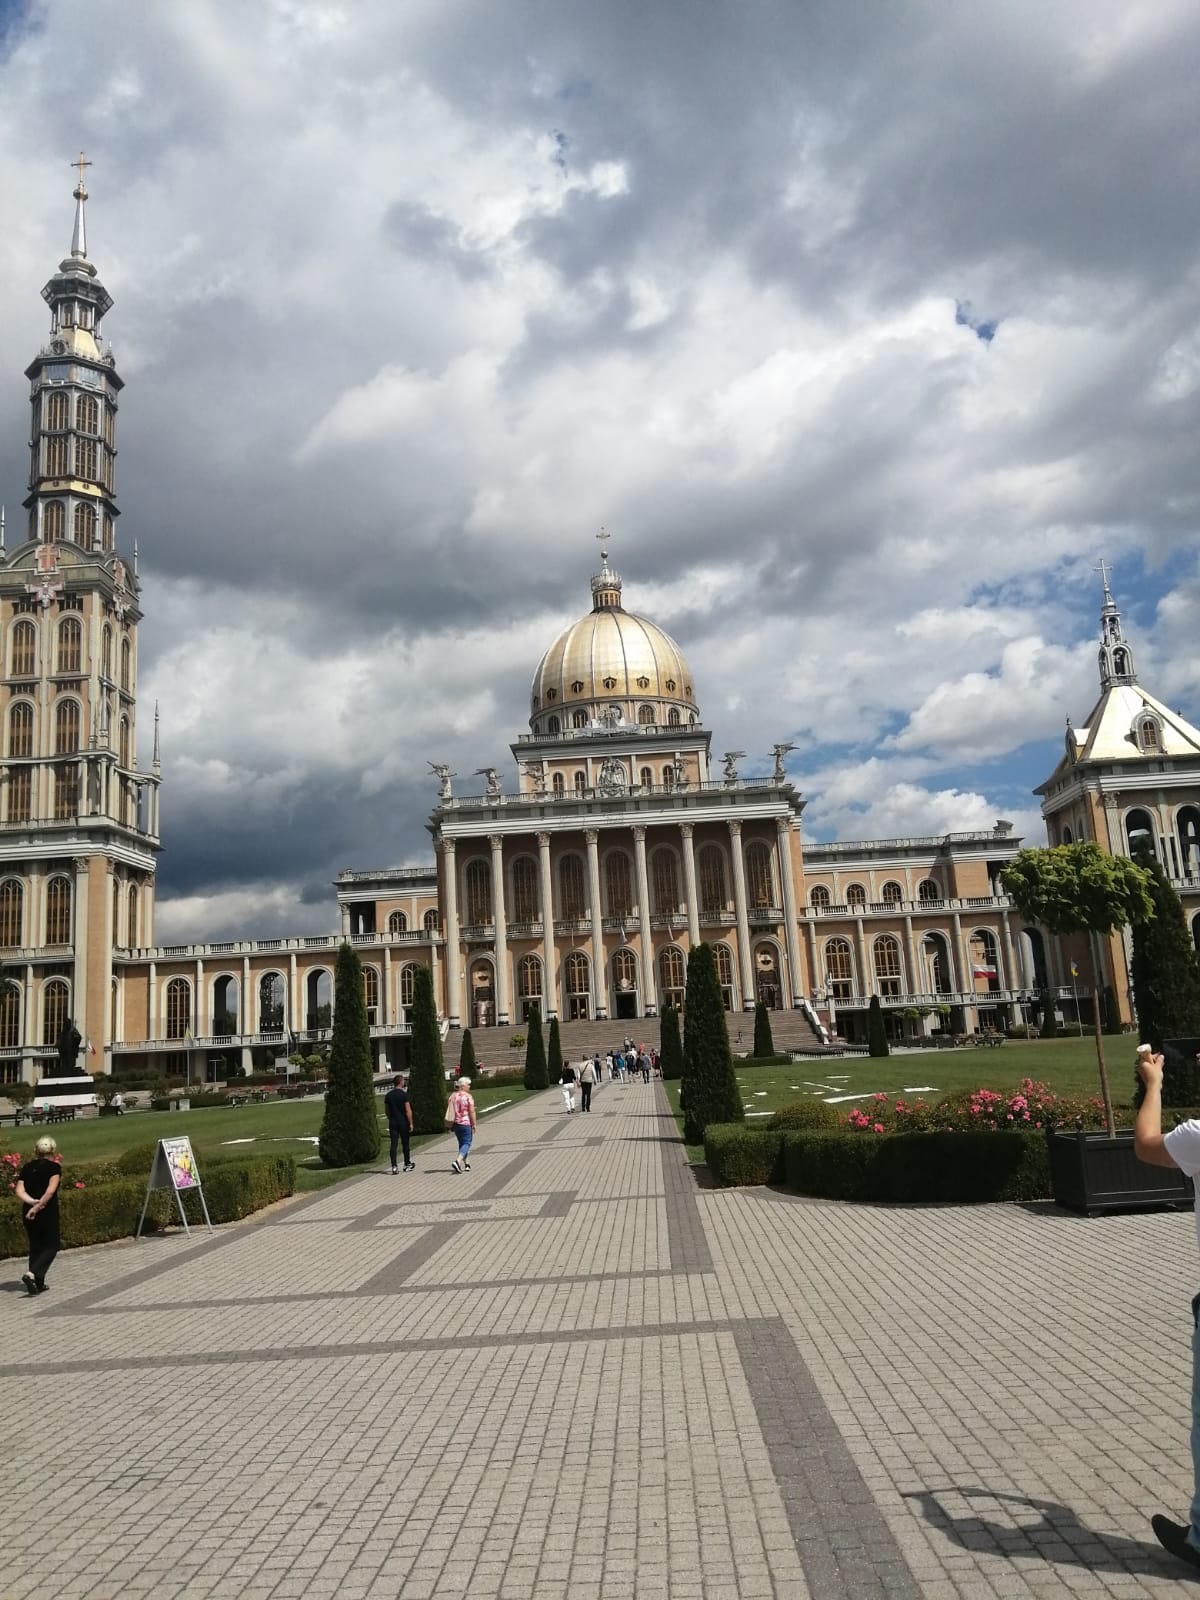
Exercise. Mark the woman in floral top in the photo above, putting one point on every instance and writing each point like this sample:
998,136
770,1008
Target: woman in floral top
460,1115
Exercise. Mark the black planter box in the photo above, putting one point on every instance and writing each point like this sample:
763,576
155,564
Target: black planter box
1093,1173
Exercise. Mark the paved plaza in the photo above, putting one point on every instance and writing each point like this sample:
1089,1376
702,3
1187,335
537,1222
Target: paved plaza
575,1372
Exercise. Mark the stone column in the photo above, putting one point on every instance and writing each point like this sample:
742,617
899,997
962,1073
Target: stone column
549,965
914,973
783,833
345,916
689,879
453,949
385,998
152,994
962,959
201,1023
740,908
866,972
500,946
649,987
599,972
291,1024
79,943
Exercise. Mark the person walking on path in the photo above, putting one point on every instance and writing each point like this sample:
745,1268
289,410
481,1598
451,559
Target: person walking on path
1179,1148
644,1063
567,1084
400,1120
37,1190
460,1116
587,1078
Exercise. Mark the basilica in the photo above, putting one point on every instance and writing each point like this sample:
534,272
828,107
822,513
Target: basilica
579,887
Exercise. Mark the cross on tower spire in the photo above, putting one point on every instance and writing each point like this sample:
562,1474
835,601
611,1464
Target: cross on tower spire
79,236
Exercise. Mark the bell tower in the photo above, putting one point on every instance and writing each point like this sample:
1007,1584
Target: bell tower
78,812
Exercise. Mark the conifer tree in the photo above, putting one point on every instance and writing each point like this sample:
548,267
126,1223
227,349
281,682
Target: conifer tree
535,1051
467,1067
764,1045
1166,985
427,1080
708,1090
554,1062
670,1046
1049,1015
877,1042
350,1126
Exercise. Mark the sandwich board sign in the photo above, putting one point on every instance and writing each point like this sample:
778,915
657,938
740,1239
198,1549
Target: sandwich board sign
175,1168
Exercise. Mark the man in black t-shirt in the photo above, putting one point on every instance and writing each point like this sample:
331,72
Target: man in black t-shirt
400,1120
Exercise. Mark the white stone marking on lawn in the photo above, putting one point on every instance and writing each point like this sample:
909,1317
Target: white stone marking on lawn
760,1094
809,1084
836,1099
922,1088
495,1107
760,1113
248,1140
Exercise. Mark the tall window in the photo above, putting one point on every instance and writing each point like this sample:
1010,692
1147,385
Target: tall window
928,890
66,727
1149,732
397,923
371,994
646,778
70,645
57,459
646,716
20,728
558,783
24,650
666,883
819,899
893,894
712,880
625,972
408,979
66,793
131,933
887,964
758,875
179,1008
477,900
579,718
525,890
85,459
578,972
672,718
671,976
839,968
56,412
58,911
12,913
724,962
87,414
618,884
554,726
856,897
126,666
572,899
430,922
529,979
10,1017
270,1003
669,777
20,794
985,961
85,524
55,1002
580,782
106,653
116,912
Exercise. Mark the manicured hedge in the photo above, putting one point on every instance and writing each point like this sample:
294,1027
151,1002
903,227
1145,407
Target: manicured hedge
108,1207
738,1155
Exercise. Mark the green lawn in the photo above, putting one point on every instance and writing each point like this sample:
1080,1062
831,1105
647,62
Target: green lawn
288,1125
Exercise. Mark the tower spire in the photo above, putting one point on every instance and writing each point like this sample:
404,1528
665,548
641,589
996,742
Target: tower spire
606,584
79,233
1116,658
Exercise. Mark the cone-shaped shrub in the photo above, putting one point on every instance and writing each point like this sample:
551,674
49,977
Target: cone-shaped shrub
877,1044
554,1053
1166,985
1050,1015
535,1051
670,1048
427,1081
764,1045
350,1126
708,1090
467,1067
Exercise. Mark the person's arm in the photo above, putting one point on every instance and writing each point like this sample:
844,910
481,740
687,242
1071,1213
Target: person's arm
1148,1140
408,1111
22,1195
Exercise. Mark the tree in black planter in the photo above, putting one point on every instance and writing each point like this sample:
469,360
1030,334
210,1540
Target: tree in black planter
708,1090
350,1126
554,1062
670,1047
764,1045
467,1067
427,1080
1166,985
535,1051
877,1040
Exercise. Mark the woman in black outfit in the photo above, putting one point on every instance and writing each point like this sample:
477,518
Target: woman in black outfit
37,1190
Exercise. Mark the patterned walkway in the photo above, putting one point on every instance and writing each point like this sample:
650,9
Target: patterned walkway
572,1372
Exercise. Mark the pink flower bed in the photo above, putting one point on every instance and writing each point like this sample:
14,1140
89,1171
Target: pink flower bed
1033,1105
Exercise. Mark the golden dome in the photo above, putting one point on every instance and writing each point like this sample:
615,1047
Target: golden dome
611,666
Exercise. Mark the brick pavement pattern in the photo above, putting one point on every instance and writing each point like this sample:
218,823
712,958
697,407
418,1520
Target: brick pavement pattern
574,1372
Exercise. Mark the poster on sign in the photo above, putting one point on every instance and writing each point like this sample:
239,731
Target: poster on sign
175,1168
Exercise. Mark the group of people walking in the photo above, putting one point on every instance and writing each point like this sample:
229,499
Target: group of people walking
621,1065
460,1120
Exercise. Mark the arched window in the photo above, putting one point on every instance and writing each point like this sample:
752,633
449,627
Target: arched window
646,716
108,521
579,718
558,784
55,1010
1187,827
666,883
580,782
397,923
58,911
126,666
58,457
572,900
116,911
625,971
985,961
892,894
271,1003
12,913
20,728
856,897
85,459
66,727
66,793
131,934
179,1008
887,964
618,884
408,980
669,776
70,645
87,414
10,1016
106,653
928,891
819,899
646,778
1139,830
723,957
431,922
671,976
478,897
713,898
85,524
577,974
20,795
672,718
1067,836
225,1006
24,649
1148,736
554,726
839,968
56,412
371,994
525,890
529,978
758,875
936,964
